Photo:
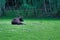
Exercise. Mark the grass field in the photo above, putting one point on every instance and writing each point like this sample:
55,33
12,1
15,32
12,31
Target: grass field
32,30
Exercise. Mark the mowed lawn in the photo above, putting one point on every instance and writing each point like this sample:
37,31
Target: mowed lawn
31,30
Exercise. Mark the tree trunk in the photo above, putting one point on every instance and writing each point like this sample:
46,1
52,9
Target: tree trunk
45,9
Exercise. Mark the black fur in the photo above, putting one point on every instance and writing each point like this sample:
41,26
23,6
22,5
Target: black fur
17,21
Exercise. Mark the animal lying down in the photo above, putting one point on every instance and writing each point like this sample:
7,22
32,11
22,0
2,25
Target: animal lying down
17,21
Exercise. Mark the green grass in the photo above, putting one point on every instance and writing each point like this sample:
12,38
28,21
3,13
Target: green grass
32,30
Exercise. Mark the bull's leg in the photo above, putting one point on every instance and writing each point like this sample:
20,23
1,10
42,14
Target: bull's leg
14,23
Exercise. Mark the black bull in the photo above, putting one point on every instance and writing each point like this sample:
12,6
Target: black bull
17,21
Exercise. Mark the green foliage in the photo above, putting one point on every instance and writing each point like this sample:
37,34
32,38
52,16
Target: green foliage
32,8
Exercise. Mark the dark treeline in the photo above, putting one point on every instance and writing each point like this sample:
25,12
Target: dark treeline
32,8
